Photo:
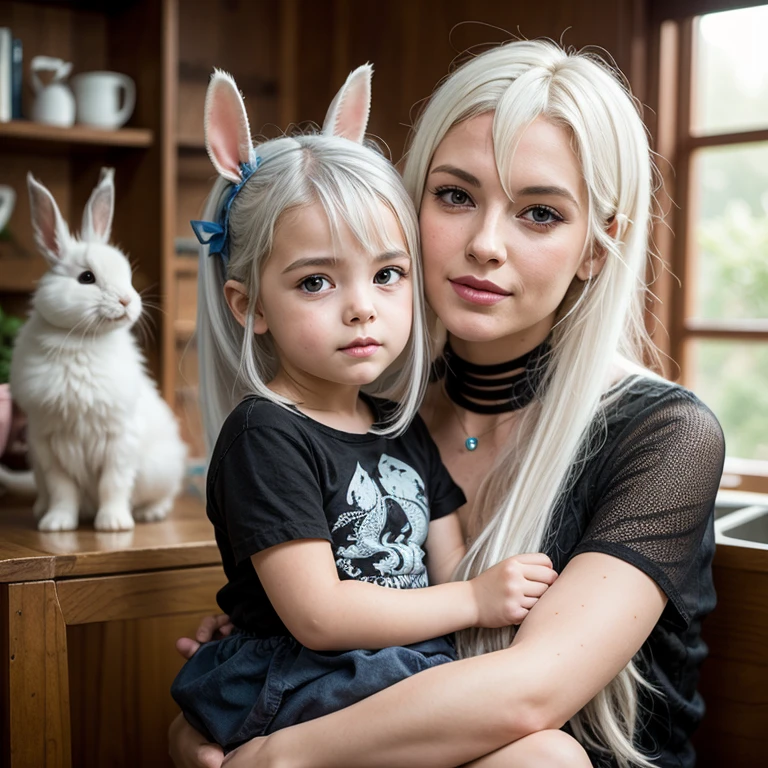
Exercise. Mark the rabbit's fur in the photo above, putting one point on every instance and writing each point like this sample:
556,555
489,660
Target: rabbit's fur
102,440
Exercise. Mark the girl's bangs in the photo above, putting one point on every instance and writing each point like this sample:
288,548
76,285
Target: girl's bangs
361,209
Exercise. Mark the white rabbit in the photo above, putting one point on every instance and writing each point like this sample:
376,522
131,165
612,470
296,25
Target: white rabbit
102,440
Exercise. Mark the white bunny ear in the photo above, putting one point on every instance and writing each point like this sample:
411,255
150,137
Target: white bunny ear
51,232
348,114
227,133
99,210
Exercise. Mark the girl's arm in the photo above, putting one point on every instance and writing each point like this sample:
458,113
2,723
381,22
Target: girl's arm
581,633
445,548
324,612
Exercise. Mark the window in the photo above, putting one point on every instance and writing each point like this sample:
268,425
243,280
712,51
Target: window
717,129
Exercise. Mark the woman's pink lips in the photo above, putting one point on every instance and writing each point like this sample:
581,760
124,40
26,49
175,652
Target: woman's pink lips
478,292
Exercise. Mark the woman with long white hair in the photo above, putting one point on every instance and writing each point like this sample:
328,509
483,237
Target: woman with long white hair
532,174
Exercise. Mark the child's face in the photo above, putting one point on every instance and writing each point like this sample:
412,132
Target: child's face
496,270
336,314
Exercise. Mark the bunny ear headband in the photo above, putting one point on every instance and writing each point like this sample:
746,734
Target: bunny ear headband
229,145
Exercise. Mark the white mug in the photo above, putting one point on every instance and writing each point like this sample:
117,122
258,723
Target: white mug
97,95
7,201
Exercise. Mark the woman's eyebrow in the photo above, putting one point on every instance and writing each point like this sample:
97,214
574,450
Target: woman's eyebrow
459,173
547,191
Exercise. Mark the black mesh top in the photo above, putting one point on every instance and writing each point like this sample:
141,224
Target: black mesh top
647,497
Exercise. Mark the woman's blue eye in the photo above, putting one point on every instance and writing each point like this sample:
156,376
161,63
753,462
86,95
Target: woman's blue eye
314,283
542,215
453,196
387,276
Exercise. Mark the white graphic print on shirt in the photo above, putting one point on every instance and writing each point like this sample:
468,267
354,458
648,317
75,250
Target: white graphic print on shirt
388,522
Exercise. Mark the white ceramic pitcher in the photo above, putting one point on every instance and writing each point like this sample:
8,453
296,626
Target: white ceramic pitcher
54,103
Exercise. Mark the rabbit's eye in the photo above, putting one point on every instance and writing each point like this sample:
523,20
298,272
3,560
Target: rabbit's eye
86,278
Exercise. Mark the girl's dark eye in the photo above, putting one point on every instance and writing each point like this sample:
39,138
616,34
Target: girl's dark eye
86,278
314,284
387,276
453,196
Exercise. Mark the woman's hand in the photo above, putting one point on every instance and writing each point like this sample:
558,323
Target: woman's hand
189,749
507,591
210,627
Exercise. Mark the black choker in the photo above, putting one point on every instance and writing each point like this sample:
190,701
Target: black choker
489,389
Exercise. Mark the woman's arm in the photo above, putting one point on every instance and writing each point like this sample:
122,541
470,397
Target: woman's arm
324,612
580,634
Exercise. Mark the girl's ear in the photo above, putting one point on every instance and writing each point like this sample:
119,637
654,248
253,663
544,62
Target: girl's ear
51,232
227,133
348,114
260,325
237,300
99,210
593,264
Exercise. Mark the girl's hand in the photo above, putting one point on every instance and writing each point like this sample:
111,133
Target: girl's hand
210,627
252,754
189,749
507,591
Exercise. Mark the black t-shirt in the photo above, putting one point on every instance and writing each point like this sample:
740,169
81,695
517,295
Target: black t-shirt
647,497
277,476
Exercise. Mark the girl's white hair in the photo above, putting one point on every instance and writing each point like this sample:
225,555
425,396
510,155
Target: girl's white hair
350,181
600,321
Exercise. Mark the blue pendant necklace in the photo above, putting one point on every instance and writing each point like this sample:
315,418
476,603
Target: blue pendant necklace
473,441
491,389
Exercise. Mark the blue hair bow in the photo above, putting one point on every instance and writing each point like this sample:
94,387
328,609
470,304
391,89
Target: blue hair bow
216,234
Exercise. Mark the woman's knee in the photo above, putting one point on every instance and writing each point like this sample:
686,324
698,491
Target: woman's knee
550,749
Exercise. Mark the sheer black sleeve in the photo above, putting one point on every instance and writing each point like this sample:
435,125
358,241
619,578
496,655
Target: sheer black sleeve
655,494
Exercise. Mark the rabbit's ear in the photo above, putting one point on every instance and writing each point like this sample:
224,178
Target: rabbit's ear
51,232
99,210
348,114
227,133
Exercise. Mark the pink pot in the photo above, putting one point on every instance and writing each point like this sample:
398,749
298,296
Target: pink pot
5,415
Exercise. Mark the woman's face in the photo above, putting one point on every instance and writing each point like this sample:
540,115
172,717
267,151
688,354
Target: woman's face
496,269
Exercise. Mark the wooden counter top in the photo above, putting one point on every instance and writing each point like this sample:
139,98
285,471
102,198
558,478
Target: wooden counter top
184,539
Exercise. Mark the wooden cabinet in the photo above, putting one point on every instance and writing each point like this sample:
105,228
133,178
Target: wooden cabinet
87,628
124,37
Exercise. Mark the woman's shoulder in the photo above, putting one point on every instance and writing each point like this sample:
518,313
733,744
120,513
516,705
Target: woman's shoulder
650,407
641,395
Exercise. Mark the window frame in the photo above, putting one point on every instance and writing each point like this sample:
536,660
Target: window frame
677,142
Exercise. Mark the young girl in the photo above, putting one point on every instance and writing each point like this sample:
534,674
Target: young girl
317,240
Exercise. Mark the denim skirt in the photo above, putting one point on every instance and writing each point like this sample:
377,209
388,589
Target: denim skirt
242,686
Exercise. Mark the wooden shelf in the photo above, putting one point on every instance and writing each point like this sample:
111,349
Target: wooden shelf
26,130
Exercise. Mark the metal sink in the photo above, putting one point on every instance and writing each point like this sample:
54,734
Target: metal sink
742,524
732,501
